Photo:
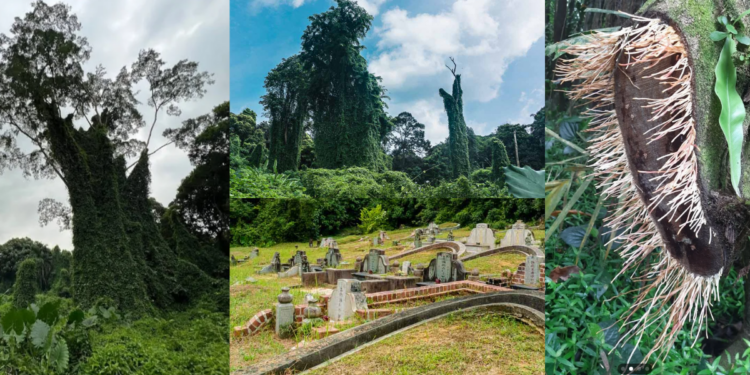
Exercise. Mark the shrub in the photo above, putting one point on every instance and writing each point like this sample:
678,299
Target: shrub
372,219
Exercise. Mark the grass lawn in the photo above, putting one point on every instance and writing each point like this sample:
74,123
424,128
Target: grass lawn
468,342
249,298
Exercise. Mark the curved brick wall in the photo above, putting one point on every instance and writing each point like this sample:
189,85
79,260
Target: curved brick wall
456,247
518,249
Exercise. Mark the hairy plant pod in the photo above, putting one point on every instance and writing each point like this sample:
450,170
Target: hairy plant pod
639,84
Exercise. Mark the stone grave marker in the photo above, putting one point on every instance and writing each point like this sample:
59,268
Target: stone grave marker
481,236
346,299
417,238
518,235
375,262
333,257
446,268
275,265
405,267
284,311
255,253
531,276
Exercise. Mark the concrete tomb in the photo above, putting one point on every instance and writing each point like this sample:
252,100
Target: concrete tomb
255,253
445,267
333,257
375,262
284,311
518,235
275,265
346,299
481,236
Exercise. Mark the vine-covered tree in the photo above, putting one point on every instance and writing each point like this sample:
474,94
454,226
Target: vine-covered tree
458,143
346,101
499,161
285,104
118,253
248,141
26,286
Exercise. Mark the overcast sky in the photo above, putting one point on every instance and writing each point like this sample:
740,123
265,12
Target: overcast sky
498,45
117,30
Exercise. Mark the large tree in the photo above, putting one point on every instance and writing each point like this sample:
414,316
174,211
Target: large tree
286,107
406,143
458,142
346,100
81,126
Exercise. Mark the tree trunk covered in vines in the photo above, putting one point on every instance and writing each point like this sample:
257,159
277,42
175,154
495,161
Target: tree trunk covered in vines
458,142
694,21
286,140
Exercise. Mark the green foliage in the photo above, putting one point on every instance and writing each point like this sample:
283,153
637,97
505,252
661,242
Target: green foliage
499,161
372,219
286,107
407,144
524,182
248,141
13,252
355,183
732,108
346,100
27,284
260,183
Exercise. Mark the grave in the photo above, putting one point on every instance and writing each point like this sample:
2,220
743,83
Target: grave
482,235
274,267
417,238
394,266
291,272
445,268
335,274
314,278
333,257
254,254
375,262
518,235
346,299
284,311
531,276
326,242
406,267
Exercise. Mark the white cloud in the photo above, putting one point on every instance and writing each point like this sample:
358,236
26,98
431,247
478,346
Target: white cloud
483,36
530,105
257,4
371,6
428,112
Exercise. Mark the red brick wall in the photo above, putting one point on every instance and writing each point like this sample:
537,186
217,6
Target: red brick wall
521,273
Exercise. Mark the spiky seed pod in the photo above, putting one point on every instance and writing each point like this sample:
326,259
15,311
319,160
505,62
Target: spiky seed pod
637,84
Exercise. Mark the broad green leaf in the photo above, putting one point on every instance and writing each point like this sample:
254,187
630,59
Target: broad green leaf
722,20
573,236
524,182
745,13
48,312
718,35
39,333
731,28
732,109
59,356
743,39
75,317
556,190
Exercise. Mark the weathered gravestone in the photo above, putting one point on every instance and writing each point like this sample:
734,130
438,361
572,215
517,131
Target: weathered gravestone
284,312
346,299
406,267
275,265
255,253
481,236
326,242
375,262
531,275
417,238
517,235
333,257
450,235
445,267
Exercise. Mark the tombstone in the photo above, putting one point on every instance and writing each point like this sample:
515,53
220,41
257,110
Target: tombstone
517,235
375,262
445,268
284,311
346,299
255,253
433,228
358,264
275,265
531,276
481,236
376,241
419,270
321,262
417,238
450,235
333,257
291,272
406,267
233,260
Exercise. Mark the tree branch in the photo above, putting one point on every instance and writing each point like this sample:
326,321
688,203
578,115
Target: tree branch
162,146
453,71
44,152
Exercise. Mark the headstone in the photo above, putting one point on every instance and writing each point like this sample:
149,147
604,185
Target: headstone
417,238
450,235
326,242
405,267
284,311
518,235
233,260
481,236
346,299
255,253
444,268
275,265
294,271
375,262
333,257
358,263
432,228
531,276
419,270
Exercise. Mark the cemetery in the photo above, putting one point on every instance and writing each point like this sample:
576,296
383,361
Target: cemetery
361,290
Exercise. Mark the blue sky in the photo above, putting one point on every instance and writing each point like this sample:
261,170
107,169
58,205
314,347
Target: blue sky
498,45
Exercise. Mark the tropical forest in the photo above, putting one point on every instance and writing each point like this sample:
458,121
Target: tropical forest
143,290
326,132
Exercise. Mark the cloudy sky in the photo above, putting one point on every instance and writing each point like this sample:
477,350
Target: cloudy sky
498,45
117,30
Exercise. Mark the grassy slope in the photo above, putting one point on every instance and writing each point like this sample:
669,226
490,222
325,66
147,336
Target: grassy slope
247,299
